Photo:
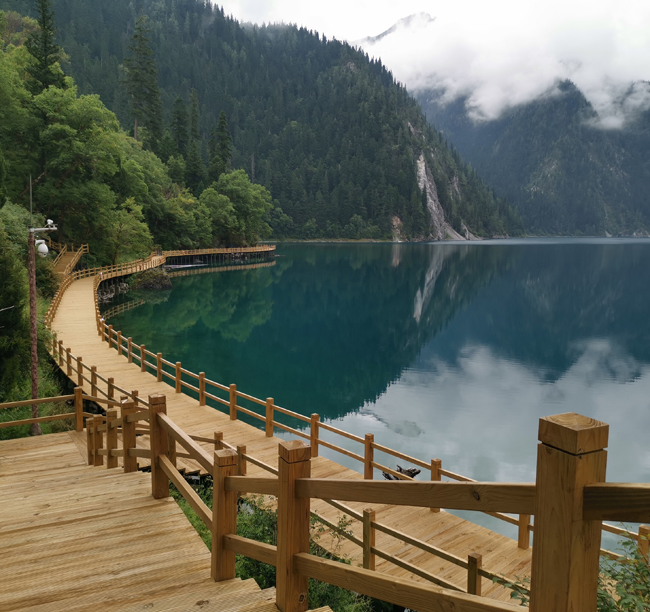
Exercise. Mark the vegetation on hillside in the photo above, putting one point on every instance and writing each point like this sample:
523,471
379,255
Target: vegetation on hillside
564,173
320,125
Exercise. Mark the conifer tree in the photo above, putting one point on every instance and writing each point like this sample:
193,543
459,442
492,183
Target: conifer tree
194,169
142,84
45,53
178,126
220,162
194,116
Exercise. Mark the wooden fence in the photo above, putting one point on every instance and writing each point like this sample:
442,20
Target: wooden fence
569,499
229,397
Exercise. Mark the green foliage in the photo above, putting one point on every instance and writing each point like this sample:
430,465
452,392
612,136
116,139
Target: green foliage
222,154
332,135
550,159
46,55
623,583
127,236
14,324
142,83
251,204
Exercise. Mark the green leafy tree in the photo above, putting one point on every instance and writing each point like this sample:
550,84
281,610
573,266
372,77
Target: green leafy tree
222,214
179,126
14,325
128,236
251,204
46,54
220,162
142,83
3,174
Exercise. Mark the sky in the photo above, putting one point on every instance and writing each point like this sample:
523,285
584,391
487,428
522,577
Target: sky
498,54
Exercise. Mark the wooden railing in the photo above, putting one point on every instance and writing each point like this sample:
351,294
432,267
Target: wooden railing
153,261
75,260
569,500
61,251
78,415
229,397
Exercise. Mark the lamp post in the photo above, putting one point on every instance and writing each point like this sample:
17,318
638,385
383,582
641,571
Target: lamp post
35,429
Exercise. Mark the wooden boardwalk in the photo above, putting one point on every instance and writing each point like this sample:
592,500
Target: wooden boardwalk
75,325
78,538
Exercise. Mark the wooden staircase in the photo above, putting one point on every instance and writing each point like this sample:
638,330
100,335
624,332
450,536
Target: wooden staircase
79,538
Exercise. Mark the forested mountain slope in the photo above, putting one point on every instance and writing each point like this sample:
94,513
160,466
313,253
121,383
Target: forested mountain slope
343,149
565,174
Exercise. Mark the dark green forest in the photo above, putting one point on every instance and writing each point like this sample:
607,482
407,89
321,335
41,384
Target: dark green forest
322,127
564,174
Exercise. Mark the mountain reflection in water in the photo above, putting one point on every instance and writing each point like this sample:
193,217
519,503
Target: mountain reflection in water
441,350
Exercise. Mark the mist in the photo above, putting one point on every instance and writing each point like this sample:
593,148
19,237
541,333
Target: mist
498,55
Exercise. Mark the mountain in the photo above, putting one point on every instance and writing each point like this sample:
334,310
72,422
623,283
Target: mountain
415,21
344,150
567,166
552,160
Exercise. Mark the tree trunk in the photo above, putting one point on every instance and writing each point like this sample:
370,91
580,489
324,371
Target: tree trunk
35,429
135,129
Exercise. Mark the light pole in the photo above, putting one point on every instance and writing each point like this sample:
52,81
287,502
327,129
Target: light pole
35,429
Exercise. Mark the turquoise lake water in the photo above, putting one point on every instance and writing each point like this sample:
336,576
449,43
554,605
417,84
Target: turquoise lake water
440,350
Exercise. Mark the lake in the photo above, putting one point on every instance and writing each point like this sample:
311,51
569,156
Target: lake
442,350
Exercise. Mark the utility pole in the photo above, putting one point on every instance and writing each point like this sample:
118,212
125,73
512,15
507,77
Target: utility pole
35,429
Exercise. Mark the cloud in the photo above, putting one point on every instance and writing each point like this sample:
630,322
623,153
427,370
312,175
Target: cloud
498,54
498,62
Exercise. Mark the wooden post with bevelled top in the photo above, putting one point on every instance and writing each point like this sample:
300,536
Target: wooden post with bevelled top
294,461
566,548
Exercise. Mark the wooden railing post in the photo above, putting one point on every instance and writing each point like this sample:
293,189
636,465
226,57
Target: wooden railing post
368,539
474,563
313,434
159,367
233,402
218,437
90,441
129,350
93,381
241,460
78,409
523,537
178,377
119,342
80,372
111,438
644,542
436,466
128,435
269,417
110,336
368,456
61,352
143,358
110,391
201,388
294,461
224,515
564,573
98,441
159,443
68,358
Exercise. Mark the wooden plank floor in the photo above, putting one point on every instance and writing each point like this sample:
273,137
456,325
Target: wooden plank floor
78,538
66,258
75,326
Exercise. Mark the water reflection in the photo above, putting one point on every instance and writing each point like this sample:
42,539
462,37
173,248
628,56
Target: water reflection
450,351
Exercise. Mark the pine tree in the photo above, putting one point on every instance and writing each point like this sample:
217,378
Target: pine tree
194,169
142,84
178,126
194,116
44,51
220,162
